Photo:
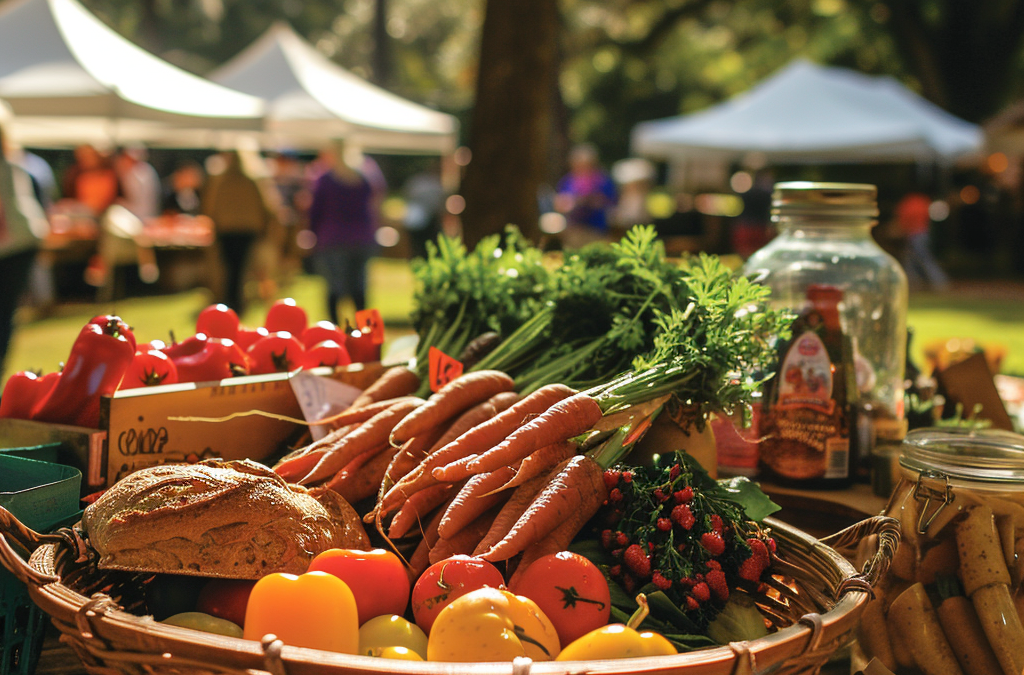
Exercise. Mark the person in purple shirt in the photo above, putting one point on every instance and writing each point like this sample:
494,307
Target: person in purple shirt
343,216
584,196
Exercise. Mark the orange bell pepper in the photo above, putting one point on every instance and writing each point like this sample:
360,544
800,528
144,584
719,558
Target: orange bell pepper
314,610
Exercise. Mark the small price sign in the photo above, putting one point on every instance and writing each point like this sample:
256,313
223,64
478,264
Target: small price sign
443,368
370,321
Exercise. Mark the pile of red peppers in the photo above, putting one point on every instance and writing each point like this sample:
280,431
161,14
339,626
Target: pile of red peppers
99,357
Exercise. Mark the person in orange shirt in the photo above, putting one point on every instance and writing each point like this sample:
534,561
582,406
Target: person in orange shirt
912,214
92,180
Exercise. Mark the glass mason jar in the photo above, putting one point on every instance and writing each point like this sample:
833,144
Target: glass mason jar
960,501
824,242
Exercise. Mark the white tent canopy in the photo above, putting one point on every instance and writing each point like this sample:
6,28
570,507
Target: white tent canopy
70,78
808,113
311,99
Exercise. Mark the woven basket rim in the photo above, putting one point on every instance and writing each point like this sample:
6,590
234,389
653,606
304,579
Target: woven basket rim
120,631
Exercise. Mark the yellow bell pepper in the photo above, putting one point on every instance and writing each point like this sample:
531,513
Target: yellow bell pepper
315,610
619,641
489,624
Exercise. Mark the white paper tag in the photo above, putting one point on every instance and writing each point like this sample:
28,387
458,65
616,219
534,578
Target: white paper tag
321,397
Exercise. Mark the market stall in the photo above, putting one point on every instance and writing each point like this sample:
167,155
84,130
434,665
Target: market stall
554,430
312,100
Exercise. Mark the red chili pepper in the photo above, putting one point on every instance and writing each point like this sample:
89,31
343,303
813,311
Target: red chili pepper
219,358
149,368
23,391
99,358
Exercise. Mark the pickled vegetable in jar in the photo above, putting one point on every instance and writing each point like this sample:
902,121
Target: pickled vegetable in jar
953,598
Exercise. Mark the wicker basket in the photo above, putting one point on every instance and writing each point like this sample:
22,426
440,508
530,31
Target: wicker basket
814,599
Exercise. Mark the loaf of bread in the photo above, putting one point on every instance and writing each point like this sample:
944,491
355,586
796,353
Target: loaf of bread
234,519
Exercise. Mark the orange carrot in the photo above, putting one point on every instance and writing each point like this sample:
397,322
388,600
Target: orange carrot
567,418
475,497
417,507
465,540
489,434
394,382
558,539
298,463
541,461
576,486
513,509
419,477
419,561
361,477
452,399
367,436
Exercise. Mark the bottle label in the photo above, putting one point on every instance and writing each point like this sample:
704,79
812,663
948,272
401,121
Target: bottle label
802,432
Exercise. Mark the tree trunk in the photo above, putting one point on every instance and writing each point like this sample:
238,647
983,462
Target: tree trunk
513,117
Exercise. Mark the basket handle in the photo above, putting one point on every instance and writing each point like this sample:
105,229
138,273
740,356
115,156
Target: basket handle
11,529
888,531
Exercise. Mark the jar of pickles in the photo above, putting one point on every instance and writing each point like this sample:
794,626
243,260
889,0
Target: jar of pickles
952,601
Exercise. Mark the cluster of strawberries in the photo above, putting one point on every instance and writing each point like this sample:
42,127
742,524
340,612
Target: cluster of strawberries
684,539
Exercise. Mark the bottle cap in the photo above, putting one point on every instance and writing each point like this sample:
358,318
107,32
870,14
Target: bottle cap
837,202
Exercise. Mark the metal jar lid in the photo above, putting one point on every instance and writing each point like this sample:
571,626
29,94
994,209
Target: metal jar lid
831,202
982,455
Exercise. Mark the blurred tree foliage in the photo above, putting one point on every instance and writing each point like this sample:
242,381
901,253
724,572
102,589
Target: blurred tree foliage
621,61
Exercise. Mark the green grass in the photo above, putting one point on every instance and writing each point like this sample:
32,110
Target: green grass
991,317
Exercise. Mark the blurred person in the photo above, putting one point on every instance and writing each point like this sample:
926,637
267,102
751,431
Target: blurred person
585,195
240,216
342,216
91,180
914,220
635,178
424,207
140,184
44,183
183,190
750,230
22,226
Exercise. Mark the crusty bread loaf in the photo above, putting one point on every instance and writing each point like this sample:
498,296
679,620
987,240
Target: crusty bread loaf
224,519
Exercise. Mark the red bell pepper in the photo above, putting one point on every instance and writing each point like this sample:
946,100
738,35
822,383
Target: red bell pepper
23,392
190,346
99,358
218,359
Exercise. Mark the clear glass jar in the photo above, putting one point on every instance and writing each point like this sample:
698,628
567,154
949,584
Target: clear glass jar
824,240
960,503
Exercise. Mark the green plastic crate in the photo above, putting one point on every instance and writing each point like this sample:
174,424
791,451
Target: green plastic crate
41,495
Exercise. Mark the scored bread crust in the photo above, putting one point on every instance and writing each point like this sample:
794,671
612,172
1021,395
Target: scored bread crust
234,519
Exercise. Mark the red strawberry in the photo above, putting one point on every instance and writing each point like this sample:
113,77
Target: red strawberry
627,476
615,495
621,538
664,524
683,496
637,561
702,592
611,478
716,523
660,581
691,603
714,565
718,585
682,515
713,542
673,473
607,538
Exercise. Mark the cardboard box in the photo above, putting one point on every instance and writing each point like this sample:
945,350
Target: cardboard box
143,429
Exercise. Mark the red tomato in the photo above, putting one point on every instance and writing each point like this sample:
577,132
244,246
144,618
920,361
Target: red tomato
219,358
570,590
286,315
377,579
320,331
446,580
327,353
218,321
225,599
247,336
276,353
149,368
361,348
